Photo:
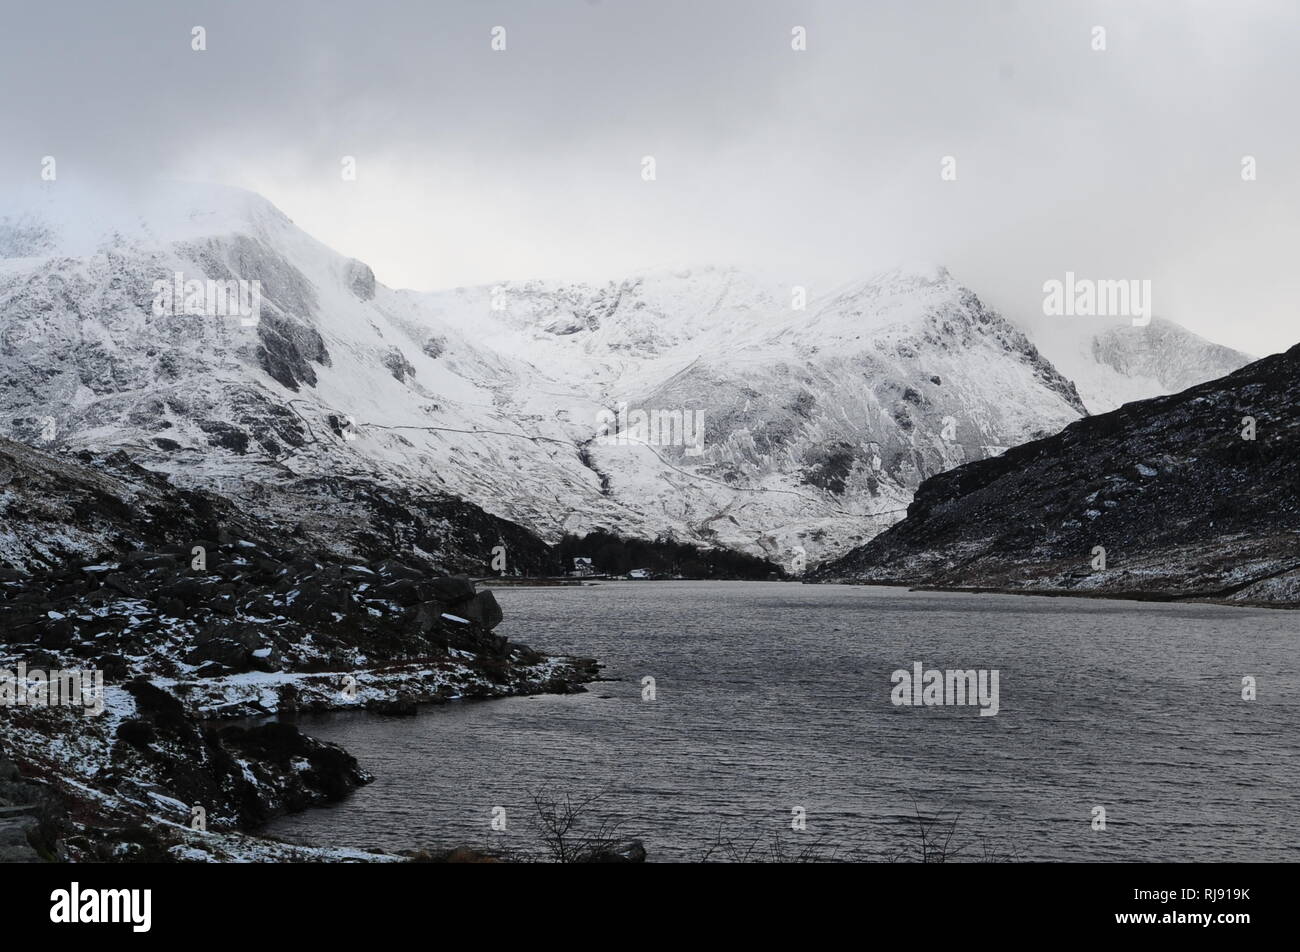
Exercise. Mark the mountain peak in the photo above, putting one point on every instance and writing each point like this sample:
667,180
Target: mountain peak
81,219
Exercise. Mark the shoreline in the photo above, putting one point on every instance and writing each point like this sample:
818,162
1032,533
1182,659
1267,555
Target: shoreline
1127,596
87,806
1124,595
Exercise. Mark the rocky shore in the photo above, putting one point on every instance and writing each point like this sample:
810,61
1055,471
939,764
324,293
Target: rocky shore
188,647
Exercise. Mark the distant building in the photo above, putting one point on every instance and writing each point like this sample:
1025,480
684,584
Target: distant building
582,567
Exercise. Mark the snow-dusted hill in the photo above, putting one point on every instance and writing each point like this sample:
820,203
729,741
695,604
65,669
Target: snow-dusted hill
817,424
1112,362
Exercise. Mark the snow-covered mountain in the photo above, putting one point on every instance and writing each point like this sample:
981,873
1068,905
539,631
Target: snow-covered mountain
803,430
818,423
1112,361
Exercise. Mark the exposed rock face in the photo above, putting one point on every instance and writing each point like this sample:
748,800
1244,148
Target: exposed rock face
361,279
288,350
397,364
60,509
1182,504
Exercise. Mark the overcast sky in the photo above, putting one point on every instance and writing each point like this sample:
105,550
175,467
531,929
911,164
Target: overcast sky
816,166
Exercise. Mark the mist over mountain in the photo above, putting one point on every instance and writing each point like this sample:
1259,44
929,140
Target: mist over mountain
1113,361
815,415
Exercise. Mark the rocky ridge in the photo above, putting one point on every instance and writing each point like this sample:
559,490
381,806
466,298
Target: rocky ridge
1192,495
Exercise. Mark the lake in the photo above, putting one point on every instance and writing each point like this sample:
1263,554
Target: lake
770,697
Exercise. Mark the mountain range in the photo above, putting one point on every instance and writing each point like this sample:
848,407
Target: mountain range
356,413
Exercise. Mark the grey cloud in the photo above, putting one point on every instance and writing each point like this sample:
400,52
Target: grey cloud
819,165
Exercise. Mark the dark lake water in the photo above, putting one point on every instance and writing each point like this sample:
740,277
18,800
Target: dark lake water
771,696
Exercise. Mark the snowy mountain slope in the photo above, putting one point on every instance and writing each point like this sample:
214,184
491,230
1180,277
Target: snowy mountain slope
817,424
1113,362
884,383
85,361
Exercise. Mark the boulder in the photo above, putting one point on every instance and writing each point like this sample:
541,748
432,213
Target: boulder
422,618
223,651
451,589
405,592
361,279
483,608
266,658
121,582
